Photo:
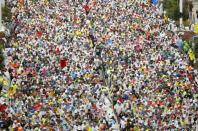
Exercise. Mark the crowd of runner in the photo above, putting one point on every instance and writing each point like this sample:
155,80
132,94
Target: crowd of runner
97,65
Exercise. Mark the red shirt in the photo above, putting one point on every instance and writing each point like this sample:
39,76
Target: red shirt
2,107
37,106
87,8
39,34
63,63
190,77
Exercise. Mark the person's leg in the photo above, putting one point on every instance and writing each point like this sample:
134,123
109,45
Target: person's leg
1,87
87,12
191,62
87,1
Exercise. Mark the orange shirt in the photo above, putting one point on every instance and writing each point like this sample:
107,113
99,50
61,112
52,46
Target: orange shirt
20,129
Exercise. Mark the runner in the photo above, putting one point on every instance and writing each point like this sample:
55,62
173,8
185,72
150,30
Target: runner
96,65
